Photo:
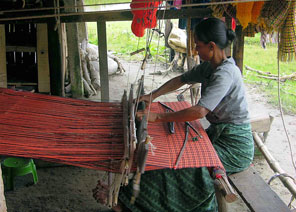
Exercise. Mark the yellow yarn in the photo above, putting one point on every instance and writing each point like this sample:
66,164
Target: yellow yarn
256,11
244,13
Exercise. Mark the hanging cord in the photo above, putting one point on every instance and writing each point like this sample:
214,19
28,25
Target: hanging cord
291,201
130,59
153,78
149,37
147,51
280,175
280,105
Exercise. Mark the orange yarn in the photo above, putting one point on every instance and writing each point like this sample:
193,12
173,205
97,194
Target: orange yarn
244,13
256,11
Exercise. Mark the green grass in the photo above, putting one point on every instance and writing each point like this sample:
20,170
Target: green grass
122,42
266,60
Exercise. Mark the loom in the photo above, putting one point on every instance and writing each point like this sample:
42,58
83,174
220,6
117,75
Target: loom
98,135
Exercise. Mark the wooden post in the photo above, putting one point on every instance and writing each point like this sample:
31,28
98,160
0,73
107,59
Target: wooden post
74,63
238,47
103,60
55,60
82,26
3,69
42,59
2,197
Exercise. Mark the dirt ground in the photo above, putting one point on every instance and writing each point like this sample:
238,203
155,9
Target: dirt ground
64,188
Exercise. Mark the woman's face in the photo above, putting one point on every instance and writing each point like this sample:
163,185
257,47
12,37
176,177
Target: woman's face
204,50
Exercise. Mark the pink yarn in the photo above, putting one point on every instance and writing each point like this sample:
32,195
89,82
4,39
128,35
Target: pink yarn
177,3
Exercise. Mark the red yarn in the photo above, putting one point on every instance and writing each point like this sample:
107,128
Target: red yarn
144,15
233,24
90,134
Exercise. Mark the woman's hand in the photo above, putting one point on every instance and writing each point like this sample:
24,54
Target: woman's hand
146,98
151,118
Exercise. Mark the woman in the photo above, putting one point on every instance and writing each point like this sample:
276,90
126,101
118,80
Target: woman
224,105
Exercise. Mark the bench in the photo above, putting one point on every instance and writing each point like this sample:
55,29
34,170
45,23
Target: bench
254,191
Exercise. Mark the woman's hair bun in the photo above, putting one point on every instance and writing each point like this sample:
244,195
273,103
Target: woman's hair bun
230,35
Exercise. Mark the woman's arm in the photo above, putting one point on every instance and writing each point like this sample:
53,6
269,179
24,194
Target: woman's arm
188,114
169,86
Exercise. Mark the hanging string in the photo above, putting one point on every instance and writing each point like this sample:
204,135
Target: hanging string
280,105
149,36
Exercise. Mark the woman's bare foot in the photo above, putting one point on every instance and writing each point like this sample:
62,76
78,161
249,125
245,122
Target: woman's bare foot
117,208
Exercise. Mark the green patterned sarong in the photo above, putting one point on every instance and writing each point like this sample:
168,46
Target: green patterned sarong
192,189
170,190
234,145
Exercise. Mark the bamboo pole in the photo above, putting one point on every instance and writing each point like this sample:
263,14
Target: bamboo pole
274,165
2,197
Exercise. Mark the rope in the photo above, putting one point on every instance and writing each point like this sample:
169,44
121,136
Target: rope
153,78
280,106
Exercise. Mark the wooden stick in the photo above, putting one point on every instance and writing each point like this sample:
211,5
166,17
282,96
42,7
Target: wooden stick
124,165
183,147
259,72
274,165
3,207
125,125
137,51
268,75
117,183
132,127
111,189
224,186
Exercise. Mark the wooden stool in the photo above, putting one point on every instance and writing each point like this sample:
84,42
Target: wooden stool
13,167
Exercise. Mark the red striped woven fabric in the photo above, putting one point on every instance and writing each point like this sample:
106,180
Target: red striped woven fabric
168,146
89,134
63,130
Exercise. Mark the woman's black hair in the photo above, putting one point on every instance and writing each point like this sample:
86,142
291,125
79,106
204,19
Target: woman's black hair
214,29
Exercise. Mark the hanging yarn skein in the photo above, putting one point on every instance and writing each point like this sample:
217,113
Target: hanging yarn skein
144,16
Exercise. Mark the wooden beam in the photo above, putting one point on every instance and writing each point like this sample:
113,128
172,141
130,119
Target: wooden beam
21,48
103,60
42,59
74,63
120,15
3,68
238,47
3,207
